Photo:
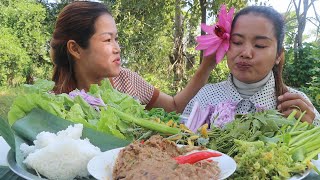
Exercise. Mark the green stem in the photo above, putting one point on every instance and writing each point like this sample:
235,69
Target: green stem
305,140
146,123
291,116
311,155
303,135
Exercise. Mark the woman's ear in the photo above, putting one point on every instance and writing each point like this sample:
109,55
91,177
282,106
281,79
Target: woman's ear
74,49
280,56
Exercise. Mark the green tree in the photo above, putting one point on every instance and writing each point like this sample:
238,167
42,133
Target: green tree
24,22
13,58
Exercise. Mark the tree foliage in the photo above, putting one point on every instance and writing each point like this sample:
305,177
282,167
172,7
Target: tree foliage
304,74
25,52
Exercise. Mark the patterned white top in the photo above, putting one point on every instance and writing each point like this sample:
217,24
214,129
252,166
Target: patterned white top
131,83
226,91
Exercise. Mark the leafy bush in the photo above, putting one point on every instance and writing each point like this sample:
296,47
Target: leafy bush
23,46
313,91
303,73
13,59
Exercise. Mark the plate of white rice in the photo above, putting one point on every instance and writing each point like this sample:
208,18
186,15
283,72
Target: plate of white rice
59,156
11,159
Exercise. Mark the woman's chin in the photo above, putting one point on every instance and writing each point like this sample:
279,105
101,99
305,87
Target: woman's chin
113,74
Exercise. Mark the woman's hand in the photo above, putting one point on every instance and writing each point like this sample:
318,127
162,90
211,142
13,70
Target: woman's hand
209,62
291,101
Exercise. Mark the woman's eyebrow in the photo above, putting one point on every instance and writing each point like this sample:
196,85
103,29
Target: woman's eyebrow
108,33
257,37
263,37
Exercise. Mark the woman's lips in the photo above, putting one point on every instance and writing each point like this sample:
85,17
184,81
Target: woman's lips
117,61
243,65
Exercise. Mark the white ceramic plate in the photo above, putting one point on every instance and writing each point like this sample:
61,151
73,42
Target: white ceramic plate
101,165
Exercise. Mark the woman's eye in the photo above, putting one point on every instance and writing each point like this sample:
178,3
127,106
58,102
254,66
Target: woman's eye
107,40
260,46
236,43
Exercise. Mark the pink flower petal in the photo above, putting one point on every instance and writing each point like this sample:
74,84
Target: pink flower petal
230,14
220,54
227,27
207,29
225,45
206,41
203,46
206,38
211,43
222,15
212,49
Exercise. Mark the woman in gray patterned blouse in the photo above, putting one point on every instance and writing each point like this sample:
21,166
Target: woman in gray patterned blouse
255,59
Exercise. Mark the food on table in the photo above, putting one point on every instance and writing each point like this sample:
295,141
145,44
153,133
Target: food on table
60,156
155,159
196,157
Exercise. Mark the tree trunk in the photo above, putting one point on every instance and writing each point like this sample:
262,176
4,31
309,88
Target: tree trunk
203,7
176,58
301,19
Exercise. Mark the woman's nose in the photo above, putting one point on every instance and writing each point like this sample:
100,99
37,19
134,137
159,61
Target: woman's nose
116,48
246,52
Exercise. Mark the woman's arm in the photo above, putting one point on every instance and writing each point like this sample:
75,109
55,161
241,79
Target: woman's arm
181,99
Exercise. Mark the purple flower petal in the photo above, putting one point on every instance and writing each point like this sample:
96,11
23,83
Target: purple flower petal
95,102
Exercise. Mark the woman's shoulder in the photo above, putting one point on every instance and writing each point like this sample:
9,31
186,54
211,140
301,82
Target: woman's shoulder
126,75
293,90
214,90
126,72
223,85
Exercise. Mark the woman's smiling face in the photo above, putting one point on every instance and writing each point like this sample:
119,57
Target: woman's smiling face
101,58
253,48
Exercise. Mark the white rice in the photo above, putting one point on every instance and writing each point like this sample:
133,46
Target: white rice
60,156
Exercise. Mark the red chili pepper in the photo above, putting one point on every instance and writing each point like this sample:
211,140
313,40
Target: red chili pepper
195,157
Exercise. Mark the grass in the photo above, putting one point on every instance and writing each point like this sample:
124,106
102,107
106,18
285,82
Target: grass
7,96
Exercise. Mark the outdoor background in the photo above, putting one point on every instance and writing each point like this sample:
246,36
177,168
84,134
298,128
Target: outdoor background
157,39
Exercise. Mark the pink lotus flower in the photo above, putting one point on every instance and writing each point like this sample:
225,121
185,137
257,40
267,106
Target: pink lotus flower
218,35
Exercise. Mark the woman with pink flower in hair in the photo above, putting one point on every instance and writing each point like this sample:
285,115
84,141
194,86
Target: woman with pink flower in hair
253,43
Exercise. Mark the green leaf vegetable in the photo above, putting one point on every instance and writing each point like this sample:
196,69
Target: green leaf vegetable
121,113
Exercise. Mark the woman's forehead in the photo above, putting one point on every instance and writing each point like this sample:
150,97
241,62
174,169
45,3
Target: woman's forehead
105,24
253,25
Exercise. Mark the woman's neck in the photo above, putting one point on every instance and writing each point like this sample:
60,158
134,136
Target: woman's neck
247,90
84,81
